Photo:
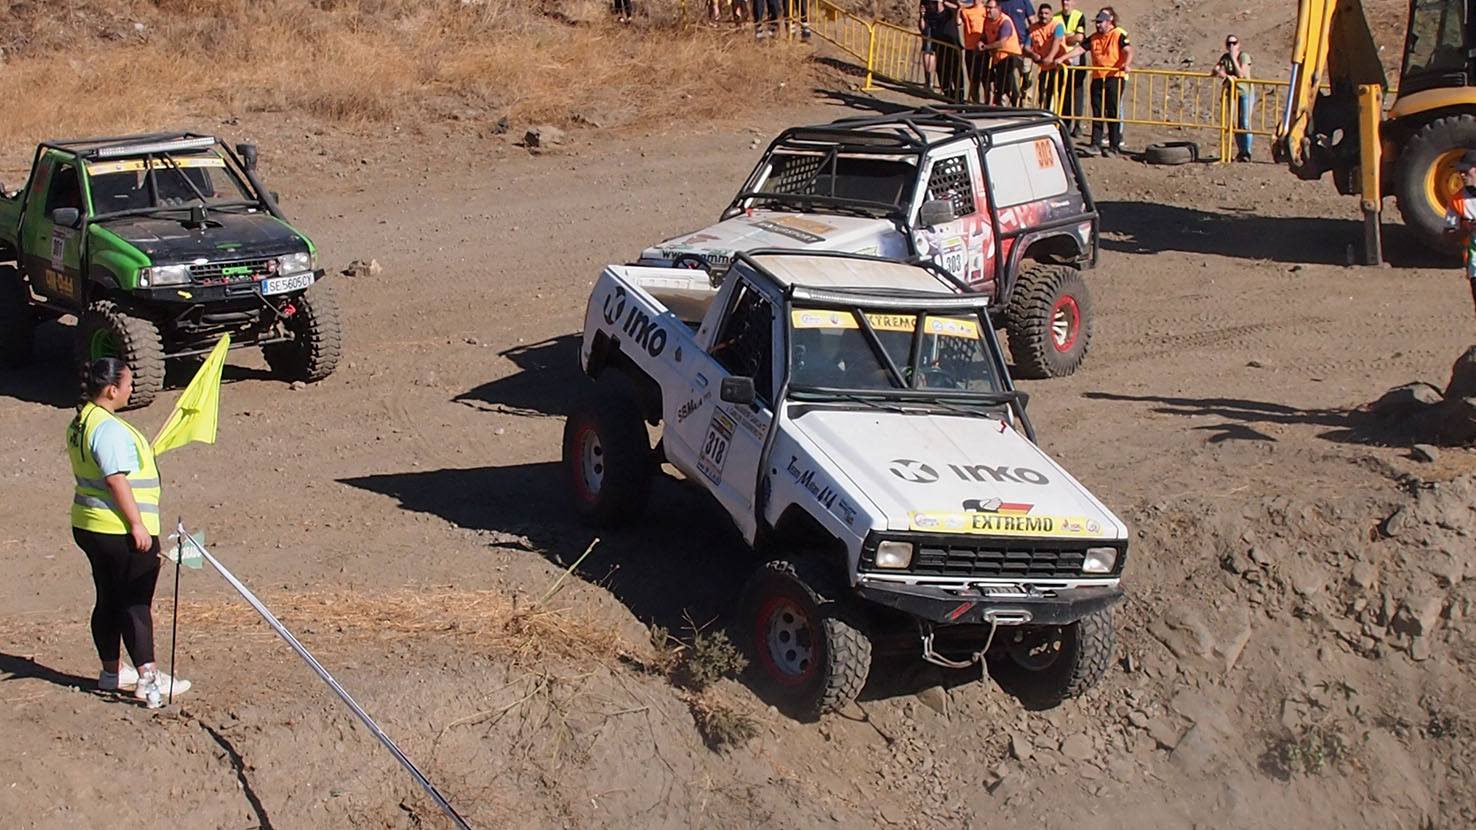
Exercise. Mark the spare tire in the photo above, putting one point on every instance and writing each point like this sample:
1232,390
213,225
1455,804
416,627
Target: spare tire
1171,152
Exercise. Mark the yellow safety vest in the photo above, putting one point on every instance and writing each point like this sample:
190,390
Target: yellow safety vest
93,507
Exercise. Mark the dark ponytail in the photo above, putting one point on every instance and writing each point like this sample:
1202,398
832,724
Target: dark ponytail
100,374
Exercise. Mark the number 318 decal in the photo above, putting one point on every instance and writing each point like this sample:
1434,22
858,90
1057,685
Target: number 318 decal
715,446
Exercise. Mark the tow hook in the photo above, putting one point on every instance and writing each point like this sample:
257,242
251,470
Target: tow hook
925,632
288,309
996,617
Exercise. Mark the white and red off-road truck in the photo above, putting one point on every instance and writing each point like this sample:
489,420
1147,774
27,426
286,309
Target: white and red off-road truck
995,196
855,418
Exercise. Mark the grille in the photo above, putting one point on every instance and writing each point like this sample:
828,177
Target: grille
240,270
1022,562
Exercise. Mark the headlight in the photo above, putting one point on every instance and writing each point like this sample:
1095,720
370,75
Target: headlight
295,263
163,275
1099,561
894,554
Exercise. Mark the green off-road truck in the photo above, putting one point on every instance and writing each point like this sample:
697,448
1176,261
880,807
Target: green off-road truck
159,244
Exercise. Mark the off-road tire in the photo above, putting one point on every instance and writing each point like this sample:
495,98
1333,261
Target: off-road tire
607,457
17,323
1049,321
1424,178
1171,152
107,329
317,338
798,603
1082,653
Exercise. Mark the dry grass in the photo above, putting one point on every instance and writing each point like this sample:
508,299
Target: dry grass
150,65
489,621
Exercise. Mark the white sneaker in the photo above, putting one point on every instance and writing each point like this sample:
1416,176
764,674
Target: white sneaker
154,688
125,678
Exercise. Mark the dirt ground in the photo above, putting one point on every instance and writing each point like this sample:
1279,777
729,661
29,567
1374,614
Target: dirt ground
1294,647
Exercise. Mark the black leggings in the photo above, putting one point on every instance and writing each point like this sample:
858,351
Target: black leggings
125,582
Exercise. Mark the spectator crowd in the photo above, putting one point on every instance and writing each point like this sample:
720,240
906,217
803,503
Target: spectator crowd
1015,53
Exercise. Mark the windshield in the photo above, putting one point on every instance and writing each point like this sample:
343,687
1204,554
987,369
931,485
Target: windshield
178,180
1436,38
880,181
831,349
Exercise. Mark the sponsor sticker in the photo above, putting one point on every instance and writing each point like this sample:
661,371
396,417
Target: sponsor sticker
997,505
823,491
102,168
645,331
59,237
1045,155
797,228
804,318
56,282
916,472
999,524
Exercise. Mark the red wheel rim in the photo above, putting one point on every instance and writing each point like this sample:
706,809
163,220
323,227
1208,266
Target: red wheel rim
1065,323
589,464
784,630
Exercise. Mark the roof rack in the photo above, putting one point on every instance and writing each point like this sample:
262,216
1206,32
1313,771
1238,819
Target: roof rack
960,297
908,133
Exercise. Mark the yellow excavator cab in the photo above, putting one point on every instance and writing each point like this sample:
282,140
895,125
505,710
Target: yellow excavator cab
1334,120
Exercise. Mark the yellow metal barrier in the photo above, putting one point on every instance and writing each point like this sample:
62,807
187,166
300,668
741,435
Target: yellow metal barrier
850,33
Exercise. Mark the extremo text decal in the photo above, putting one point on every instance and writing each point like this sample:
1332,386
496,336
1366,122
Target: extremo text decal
999,525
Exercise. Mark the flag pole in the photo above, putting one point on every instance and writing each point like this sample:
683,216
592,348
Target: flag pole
174,625
374,729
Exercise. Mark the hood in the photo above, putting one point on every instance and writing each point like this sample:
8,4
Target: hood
167,241
772,229
956,474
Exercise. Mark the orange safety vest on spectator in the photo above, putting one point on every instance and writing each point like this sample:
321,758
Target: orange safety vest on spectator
974,18
991,34
1042,37
1107,51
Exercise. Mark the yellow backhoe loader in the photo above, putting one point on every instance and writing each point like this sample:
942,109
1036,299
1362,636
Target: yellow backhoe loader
1408,151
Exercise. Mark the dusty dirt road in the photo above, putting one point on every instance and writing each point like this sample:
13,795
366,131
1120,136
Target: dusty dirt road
1266,587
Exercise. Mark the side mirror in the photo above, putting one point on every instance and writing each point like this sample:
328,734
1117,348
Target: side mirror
737,390
247,152
66,216
1024,398
935,212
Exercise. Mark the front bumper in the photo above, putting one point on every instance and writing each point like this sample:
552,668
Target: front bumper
974,605
218,292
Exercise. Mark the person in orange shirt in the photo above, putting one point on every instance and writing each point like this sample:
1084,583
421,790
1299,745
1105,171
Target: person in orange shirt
971,15
1046,47
1460,216
1002,43
1111,52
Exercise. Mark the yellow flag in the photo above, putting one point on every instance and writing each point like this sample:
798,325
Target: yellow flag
197,412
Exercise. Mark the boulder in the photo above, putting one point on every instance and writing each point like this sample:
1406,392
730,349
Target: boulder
543,136
1458,421
1404,401
1463,376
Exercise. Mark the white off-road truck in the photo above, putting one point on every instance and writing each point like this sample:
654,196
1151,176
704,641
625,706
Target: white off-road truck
855,418
995,196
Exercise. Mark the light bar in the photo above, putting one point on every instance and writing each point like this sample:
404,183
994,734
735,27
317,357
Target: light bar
174,146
